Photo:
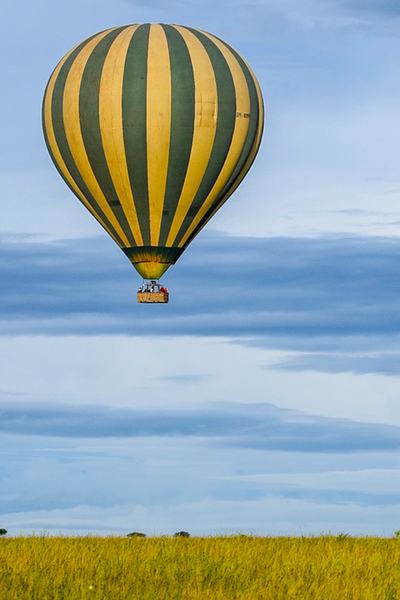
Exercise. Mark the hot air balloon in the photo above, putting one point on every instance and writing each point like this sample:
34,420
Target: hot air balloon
153,127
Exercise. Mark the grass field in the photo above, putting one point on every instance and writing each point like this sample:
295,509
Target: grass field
244,568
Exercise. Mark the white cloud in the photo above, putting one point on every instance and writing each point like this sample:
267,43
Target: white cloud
379,481
128,371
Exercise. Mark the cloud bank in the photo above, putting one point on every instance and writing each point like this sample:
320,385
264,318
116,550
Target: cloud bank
226,286
256,426
381,364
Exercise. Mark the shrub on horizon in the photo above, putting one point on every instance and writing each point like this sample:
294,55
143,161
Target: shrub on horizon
3,531
184,534
136,534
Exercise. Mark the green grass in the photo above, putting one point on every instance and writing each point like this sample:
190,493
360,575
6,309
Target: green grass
244,568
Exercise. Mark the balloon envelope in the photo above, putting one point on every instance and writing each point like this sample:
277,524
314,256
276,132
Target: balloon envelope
153,127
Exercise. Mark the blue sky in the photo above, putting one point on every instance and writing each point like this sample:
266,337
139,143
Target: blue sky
267,399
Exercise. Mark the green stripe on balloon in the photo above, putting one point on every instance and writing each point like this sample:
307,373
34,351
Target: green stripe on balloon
253,125
90,127
134,95
61,139
251,139
182,125
224,129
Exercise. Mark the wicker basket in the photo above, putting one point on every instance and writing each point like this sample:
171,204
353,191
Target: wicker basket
153,297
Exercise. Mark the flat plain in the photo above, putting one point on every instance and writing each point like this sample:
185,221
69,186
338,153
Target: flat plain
213,568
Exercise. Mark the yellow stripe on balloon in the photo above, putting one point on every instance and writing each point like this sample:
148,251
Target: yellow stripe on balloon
73,131
256,144
245,169
238,138
55,151
111,126
158,115
254,149
261,109
205,124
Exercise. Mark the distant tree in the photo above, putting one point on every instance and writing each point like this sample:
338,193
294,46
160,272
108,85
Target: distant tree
136,534
343,536
397,534
3,531
184,534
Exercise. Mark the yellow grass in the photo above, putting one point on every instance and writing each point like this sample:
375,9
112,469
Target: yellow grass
244,568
